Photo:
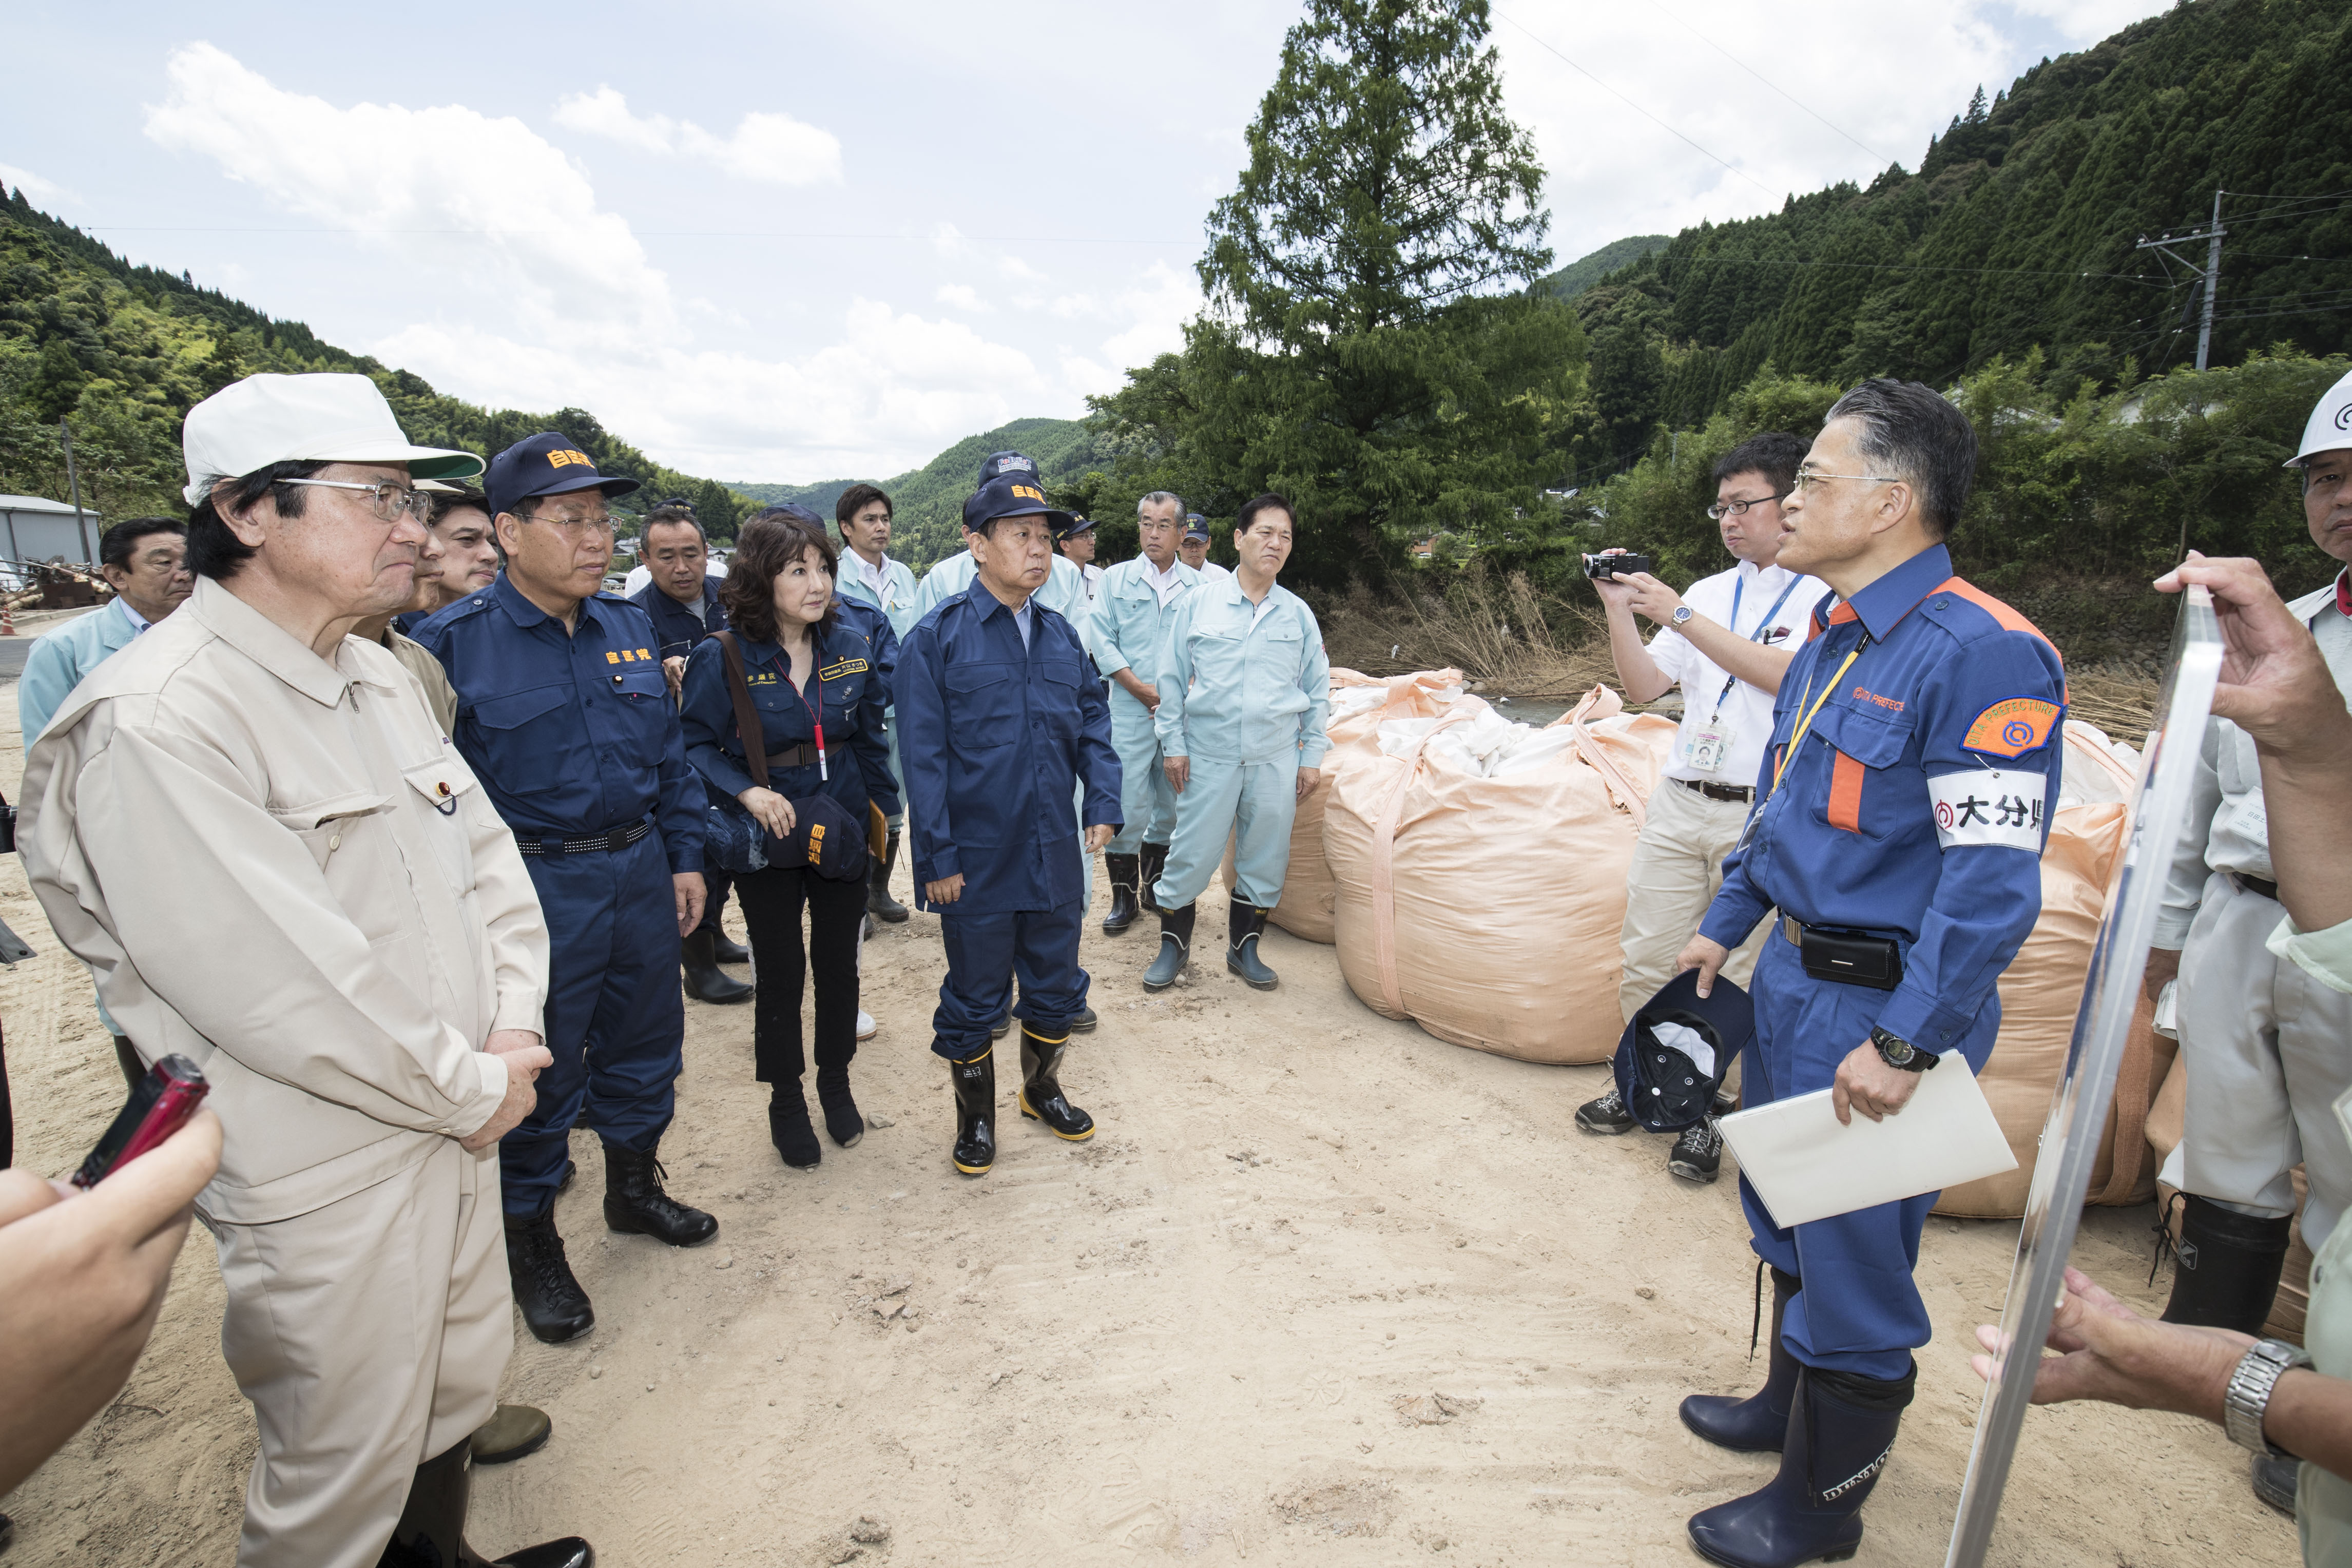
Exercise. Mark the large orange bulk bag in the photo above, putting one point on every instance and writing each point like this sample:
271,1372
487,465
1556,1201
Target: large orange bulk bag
1305,909
1487,908
2042,991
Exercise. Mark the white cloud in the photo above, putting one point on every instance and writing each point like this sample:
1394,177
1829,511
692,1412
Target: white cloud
36,189
773,148
960,297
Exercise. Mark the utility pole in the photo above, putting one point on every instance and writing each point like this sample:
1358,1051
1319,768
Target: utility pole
73,482
2210,273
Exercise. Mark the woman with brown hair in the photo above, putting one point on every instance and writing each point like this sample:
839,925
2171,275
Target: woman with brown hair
816,681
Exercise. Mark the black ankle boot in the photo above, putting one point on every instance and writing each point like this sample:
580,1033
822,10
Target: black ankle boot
878,902
975,1099
1041,1099
636,1204
1842,1427
1126,872
1759,1423
432,1528
1175,947
788,1129
555,1307
705,980
2226,1271
726,949
1151,862
841,1118
1244,926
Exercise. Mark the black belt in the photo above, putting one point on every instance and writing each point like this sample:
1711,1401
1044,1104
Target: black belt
803,756
1719,791
618,839
2255,885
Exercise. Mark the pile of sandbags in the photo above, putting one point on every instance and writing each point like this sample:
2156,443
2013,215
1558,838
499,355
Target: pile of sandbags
1359,704
1479,872
2042,990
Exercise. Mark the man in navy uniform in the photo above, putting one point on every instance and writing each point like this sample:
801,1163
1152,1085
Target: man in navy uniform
1905,799
563,712
1004,716
681,599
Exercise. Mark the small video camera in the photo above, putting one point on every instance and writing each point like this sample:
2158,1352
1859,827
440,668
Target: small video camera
1616,564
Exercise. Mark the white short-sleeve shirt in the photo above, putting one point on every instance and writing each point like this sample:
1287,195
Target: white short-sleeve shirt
1742,599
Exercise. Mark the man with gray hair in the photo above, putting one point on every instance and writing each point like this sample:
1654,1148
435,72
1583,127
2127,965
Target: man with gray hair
1125,634
248,824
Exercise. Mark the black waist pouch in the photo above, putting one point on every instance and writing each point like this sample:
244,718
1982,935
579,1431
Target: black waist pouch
1853,959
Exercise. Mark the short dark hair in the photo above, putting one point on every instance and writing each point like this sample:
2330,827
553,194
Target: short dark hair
214,549
455,499
1911,431
855,499
1775,454
1269,502
117,544
771,539
671,513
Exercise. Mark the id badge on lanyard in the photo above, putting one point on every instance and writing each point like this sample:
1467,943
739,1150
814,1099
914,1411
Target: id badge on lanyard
1710,743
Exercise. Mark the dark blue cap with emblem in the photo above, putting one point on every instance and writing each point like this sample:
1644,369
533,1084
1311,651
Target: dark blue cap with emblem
1196,526
1011,495
1075,527
1001,463
548,464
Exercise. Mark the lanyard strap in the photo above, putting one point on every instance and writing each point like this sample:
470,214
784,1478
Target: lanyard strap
1786,589
817,713
1807,721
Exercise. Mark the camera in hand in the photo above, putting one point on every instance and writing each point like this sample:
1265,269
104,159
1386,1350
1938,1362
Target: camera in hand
1617,563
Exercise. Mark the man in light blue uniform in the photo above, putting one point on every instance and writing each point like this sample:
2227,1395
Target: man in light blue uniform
1904,801
1133,606
145,562
1065,591
871,577
1243,688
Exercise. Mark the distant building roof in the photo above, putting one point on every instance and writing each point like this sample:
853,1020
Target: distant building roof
39,503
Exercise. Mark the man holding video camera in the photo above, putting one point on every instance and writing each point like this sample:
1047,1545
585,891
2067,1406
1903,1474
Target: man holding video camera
1726,644
1905,797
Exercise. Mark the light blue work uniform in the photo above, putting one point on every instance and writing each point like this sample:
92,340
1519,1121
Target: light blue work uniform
1065,594
1243,691
54,665
897,603
1127,631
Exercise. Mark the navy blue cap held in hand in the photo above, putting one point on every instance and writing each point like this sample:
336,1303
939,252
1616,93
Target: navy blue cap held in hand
1011,495
824,838
1662,1086
547,463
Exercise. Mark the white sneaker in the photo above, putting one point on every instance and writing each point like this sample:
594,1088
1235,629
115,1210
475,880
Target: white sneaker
866,1027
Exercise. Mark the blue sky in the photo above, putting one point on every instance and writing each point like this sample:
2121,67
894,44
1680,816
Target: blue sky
797,241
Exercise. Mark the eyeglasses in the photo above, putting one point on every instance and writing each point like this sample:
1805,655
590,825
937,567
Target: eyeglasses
387,500
596,525
1808,477
1739,509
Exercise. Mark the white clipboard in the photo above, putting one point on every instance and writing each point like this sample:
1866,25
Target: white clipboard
1806,1168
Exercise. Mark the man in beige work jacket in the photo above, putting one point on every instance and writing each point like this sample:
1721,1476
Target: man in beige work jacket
249,826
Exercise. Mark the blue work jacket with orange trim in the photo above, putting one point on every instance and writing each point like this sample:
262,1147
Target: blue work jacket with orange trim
993,739
1918,802
573,735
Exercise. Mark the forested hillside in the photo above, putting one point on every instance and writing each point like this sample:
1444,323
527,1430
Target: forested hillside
124,351
1587,270
2017,230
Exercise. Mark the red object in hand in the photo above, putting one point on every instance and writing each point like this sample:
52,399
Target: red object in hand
159,1106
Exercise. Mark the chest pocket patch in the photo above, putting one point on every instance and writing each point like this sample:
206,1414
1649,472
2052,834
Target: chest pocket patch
1863,736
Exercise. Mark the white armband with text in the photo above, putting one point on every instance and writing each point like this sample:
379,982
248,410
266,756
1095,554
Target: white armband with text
1985,807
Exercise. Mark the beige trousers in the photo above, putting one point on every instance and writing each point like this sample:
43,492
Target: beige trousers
1677,867
370,1335
2268,1050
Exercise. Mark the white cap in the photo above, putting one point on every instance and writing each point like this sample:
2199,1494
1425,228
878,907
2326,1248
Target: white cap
2329,429
326,418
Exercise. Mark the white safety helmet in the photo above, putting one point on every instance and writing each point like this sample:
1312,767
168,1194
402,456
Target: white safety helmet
2329,429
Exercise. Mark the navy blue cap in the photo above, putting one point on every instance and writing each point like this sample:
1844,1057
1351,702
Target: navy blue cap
547,463
1000,462
1662,1086
1075,527
824,838
792,509
1011,495
1195,527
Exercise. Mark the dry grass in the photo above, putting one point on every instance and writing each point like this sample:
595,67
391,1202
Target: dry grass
2120,698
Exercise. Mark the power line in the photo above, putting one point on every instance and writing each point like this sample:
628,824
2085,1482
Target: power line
1639,109
1880,157
640,234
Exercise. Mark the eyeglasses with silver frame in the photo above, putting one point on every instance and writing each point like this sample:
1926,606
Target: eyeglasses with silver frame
417,503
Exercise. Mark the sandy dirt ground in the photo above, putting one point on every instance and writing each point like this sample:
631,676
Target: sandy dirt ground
1323,1289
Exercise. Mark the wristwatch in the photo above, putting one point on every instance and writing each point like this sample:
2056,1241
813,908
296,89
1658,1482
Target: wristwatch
1897,1051
1682,613
2249,1395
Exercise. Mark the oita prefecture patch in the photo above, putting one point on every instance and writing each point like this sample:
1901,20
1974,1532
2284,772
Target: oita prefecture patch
2012,727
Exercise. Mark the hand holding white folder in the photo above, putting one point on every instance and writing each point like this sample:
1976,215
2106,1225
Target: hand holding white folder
1805,1167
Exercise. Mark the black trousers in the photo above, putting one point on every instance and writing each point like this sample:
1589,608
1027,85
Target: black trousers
715,884
772,901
